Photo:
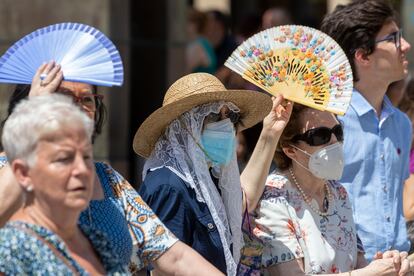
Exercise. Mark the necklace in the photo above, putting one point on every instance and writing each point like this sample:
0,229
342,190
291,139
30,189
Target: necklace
326,200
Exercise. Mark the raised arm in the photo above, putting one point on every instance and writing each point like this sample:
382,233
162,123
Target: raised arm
254,175
180,259
11,194
408,198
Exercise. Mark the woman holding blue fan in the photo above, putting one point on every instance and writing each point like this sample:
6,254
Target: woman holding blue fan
137,235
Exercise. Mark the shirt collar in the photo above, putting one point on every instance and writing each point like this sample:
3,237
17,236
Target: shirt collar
362,106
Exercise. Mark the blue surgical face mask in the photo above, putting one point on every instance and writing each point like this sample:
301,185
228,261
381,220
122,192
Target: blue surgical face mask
218,140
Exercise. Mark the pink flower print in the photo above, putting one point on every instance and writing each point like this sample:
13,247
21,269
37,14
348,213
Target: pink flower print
291,227
275,183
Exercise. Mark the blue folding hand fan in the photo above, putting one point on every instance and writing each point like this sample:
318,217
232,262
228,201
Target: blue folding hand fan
84,53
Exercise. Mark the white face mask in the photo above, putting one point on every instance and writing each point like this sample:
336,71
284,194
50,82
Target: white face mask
326,163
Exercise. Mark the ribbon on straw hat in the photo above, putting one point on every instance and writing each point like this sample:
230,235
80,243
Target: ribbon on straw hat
193,90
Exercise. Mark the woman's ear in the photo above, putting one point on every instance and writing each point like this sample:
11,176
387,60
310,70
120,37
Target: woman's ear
20,170
290,152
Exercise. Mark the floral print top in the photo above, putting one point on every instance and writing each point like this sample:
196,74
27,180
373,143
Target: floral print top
23,253
131,225
285,228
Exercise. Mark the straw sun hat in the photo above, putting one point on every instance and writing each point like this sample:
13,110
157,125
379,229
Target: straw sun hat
193,90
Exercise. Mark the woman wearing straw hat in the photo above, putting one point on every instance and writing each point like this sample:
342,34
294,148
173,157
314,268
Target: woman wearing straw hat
191,178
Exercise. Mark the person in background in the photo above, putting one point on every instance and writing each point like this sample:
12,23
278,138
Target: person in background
200,55
377,136
218,32
48,142
274,17
401,94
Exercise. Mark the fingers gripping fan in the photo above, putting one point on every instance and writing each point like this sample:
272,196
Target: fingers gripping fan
84,53
302,63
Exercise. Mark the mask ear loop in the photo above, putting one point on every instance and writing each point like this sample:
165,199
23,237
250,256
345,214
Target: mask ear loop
194,139
297,162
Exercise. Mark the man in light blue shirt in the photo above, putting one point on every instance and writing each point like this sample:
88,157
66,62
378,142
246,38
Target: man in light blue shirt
377,135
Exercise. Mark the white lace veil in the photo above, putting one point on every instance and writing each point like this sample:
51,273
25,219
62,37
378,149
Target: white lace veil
178,151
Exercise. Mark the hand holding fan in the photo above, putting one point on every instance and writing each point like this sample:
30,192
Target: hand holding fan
84,53
302,63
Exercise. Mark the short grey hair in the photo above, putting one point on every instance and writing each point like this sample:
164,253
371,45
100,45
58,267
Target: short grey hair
35,117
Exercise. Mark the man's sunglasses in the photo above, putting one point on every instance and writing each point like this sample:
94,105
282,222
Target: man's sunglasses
320,135
394,37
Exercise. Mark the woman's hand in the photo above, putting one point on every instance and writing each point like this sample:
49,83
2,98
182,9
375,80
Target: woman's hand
399,260
46,80
275,122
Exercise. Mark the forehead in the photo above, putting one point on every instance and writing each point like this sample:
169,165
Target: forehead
66,136
312,118
75,87
389,27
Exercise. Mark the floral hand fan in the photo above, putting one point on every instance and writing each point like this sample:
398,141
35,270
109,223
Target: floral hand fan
84,53
302,63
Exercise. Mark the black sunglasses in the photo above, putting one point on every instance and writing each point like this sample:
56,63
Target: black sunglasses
394,37
320,135
215,117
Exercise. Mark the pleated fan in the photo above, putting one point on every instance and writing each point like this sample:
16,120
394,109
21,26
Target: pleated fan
84,53
302,63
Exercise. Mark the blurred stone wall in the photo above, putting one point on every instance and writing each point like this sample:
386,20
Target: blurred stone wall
20,17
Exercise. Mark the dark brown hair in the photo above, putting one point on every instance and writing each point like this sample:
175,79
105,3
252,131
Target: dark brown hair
22,91
356,25
292,128
199,19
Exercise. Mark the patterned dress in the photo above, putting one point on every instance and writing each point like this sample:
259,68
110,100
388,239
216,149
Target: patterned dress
285,228
126,219
22,253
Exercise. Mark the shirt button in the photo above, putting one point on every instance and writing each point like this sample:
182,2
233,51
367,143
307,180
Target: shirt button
210,226
388,219
384,189
382,157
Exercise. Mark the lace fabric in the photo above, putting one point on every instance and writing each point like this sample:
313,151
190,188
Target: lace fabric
178,150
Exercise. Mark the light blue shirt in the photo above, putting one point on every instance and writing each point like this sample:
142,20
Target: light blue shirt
376,153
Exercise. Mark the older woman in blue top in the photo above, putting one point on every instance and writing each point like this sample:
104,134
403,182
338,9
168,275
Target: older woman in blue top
48,142
191,178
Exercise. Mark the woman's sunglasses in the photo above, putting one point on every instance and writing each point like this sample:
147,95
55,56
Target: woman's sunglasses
215,117
320,135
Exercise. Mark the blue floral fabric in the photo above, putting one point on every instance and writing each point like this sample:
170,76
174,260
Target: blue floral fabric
136,234
22,253
131,225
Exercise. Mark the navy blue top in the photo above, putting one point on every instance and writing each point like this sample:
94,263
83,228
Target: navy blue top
190,220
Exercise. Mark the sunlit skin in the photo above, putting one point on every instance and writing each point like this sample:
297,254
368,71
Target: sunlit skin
63,173
79,90
388,61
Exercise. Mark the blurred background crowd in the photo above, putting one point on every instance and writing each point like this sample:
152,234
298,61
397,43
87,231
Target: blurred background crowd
161,41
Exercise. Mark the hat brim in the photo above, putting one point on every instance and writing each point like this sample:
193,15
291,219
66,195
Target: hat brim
253,105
